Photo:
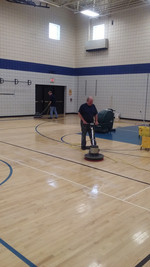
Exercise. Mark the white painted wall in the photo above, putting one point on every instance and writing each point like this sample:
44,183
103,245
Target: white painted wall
22,102
129,43
124,93
24,34
129,39
24,37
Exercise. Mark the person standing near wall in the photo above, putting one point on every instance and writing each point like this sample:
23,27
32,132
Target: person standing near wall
52,105
88,114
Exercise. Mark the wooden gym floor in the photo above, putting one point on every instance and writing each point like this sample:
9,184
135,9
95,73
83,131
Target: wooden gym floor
57,209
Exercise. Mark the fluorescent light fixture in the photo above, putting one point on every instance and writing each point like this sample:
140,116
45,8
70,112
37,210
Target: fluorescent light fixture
90,13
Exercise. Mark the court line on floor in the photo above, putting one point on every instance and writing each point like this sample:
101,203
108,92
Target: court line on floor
46,172
62,139
45,135
103,149
10,172
76,162
107,150
16,253
78,184
16,119
116,152
144,261
137,193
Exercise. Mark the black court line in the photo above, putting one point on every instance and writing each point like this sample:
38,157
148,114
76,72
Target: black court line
15,119
107,150
143,262
76,162
17,254
45,135
116,152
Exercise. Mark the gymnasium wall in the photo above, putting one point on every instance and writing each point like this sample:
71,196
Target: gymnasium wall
27,53
129,39
124,93
19,99
118,77
25,34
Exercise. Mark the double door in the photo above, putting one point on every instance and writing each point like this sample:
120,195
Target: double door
42,97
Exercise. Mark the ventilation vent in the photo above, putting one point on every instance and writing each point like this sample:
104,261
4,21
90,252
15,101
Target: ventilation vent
94,45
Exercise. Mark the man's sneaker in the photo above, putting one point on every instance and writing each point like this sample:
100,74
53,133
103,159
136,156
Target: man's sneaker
50,118
83,147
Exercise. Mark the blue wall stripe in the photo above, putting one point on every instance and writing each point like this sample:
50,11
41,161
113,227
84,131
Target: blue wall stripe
10,173
52,69
35,67
20,256
111,70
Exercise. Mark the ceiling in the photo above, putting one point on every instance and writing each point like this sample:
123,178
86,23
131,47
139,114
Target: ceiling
103,7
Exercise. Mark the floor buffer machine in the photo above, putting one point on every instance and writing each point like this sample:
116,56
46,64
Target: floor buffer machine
93,154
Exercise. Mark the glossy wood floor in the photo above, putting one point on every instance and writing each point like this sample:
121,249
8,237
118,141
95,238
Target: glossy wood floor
56,209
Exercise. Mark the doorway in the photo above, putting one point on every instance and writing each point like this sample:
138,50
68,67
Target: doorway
42,97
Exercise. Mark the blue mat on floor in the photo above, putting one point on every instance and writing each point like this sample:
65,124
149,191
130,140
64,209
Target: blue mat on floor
128,134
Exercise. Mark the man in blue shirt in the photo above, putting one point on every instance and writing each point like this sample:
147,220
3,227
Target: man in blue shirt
88,114
52,105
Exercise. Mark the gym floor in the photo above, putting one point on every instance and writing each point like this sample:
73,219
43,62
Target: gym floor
59,210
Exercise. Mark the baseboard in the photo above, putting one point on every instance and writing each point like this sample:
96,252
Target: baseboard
130,119
14,116
67,113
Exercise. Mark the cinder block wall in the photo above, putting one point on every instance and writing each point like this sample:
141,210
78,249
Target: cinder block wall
129,39
121,78
25,39
124,86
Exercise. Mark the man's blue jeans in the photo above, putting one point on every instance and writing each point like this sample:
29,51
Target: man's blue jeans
52,111
85,128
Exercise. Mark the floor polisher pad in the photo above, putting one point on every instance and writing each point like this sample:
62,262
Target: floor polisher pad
94,157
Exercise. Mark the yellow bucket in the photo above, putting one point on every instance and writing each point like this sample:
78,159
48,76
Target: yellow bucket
145,142
144,131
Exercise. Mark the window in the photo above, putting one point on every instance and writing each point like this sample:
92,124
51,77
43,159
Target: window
98,32
54,31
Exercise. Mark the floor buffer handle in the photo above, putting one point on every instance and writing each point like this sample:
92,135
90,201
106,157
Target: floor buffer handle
93,141
93,154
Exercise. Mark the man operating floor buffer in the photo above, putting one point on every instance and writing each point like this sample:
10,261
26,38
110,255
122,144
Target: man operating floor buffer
87,114
93,154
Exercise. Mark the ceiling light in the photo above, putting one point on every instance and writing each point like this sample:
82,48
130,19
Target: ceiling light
90,13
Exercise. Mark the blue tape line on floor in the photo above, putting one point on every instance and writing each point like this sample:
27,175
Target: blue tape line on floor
10,173
19,255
